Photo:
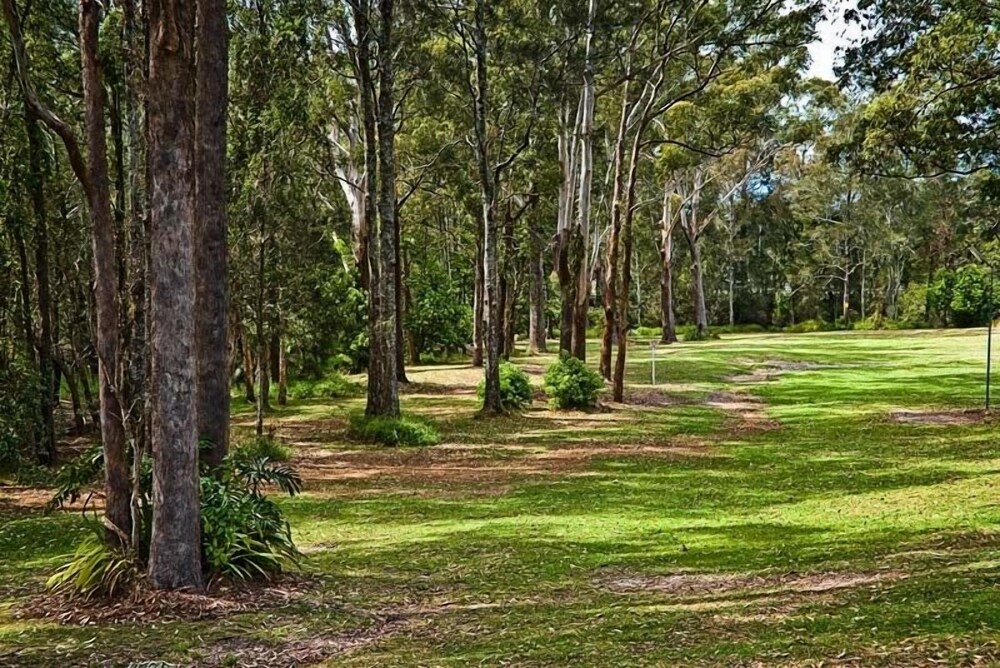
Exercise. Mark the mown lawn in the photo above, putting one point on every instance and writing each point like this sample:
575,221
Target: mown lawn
775,500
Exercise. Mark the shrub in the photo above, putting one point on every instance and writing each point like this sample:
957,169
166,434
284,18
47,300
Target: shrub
334,386
572,384
262,447
693,334
244,534
515,388
18,399
392,431
913,303
970,299
744,328
807,326
76,475
95,570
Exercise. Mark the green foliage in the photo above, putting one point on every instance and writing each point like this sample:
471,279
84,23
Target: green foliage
95,570
515,387
693,335
333,386
962,297
913,304
77,475
262,447
970,301
18,398
244,534
810,326
438,320
392,431
570,383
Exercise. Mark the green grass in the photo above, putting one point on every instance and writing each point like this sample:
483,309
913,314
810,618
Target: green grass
497,546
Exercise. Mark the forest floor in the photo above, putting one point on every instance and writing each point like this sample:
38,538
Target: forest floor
788,500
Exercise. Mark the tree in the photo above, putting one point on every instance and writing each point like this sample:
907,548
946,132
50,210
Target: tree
210,242
175,544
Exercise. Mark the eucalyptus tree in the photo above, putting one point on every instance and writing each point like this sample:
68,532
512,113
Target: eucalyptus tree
672,54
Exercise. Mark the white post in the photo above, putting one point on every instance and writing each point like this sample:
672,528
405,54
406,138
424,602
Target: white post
652,361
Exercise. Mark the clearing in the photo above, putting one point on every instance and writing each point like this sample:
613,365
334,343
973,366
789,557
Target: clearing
775,500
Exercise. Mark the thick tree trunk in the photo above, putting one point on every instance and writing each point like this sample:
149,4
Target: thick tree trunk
211,256
175,546
537,299
383,390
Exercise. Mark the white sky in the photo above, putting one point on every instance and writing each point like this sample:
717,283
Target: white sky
832,33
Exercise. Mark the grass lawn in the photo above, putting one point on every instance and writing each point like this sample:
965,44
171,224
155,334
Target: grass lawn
774,500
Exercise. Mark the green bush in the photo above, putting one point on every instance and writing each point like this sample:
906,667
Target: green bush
515,388
334,386
570,383
18,401
95,570
970,300
244,534
392,431
745,328
913,303
692,334
262,447
808,326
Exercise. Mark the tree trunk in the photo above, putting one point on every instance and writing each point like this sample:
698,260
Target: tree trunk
492,403
248,371
49,393
697,286
536,296
611,263
401,299
732,290
477,302
383,392
74,395
175,546
846,302
118,513
282,375
263,380
581,245
668,321
210,242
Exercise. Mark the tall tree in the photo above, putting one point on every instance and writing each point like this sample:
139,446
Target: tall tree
211,305
175,544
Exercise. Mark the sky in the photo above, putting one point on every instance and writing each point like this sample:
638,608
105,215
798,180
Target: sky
832,33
